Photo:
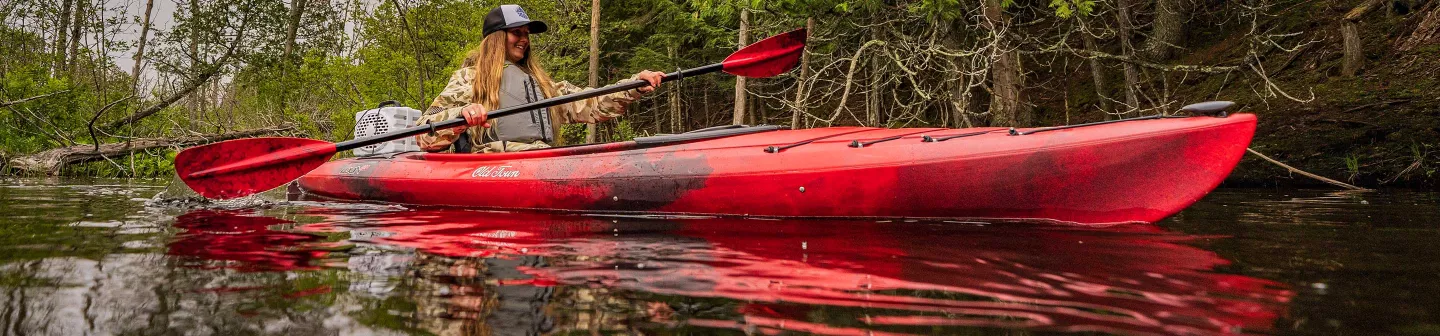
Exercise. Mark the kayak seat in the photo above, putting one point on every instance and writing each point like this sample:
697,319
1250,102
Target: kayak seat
1210,108
579,149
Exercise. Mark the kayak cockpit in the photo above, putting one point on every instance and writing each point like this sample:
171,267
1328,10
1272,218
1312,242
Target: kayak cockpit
640,142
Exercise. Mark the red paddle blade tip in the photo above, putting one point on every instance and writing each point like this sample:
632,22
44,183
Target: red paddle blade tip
769,57
239,168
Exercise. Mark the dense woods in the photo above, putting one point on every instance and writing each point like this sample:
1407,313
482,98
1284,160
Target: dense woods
1346,88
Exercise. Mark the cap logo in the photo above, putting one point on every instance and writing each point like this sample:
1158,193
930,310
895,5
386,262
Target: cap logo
521,13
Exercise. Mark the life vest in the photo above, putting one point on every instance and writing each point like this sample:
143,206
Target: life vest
516,88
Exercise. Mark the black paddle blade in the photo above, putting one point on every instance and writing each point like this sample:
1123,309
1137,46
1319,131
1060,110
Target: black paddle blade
769,57
242,167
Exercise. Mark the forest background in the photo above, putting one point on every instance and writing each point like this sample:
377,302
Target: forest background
1343,88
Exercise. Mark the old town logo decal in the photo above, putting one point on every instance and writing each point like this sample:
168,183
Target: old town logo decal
353,170
498,171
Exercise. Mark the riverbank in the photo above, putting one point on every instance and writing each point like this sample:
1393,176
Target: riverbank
1379,129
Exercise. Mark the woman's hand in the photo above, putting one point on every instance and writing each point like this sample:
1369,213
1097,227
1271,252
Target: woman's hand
475,115
652,77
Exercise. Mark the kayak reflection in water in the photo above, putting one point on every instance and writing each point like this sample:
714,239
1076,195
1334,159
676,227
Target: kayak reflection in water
472,271
500,73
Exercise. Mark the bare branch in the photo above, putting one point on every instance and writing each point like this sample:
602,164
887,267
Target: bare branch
1156,66
204,77
22,101
91,124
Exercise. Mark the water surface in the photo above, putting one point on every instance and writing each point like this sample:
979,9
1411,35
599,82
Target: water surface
98,257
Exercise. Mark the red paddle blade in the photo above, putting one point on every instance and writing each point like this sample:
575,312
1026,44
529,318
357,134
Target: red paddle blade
242,167
769,57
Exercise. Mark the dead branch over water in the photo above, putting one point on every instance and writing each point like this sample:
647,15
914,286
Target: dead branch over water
51,162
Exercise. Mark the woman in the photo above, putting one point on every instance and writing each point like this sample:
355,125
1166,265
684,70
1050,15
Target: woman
501,73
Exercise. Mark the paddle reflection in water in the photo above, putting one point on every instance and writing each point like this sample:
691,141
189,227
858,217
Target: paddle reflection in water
484,272
240,240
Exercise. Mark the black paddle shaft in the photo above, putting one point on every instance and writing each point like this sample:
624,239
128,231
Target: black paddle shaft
457,122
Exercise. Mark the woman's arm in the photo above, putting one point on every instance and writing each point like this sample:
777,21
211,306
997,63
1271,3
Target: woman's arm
456,95
605,107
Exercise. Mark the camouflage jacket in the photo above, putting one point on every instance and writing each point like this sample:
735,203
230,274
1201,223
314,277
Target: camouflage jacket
459,92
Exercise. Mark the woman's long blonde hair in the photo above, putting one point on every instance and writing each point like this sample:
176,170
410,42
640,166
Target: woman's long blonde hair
489,62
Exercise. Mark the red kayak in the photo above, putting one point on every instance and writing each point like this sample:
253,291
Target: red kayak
1135,170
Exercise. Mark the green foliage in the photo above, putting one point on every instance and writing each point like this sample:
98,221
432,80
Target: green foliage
946,9
573,133
626,131
1067,8
143,165
1352,165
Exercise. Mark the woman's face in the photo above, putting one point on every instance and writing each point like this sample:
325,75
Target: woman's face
517,42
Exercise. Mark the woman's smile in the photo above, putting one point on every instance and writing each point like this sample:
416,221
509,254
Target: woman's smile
518,39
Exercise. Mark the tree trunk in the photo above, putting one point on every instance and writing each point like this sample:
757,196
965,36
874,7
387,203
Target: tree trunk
751,112
1350,34
960,78
1167,30
62,41
102,43
297,11
77,27
137,116
677,124
874,97
1097,71
51,162
195,108
800,81
415,42
1005,79
1127,49
594,60
739,117
194,47
140,50
1354,51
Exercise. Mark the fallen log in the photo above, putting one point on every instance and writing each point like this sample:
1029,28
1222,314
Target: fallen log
51,162
1427,32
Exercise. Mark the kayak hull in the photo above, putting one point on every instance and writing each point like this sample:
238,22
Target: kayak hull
1133,171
